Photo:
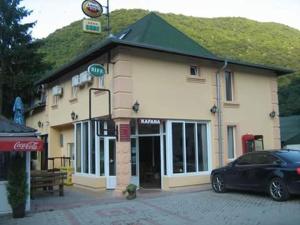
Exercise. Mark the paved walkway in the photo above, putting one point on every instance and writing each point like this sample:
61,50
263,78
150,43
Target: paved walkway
160,208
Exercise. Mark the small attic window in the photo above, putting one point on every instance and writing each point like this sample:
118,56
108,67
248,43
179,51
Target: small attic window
124,34
194,70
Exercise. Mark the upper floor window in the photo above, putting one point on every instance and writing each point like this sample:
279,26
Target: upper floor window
229,86
231,146
194,71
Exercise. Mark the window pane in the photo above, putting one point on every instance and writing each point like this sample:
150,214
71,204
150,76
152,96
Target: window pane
230,142
202,147
112,157
133,156
78,148
228,85
148,128
190,147
177,140
85,151
4,163
92,148
165,156
101,146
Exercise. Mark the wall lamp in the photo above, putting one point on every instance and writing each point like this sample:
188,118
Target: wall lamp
136,107
40,124
214,109
74,116
272,114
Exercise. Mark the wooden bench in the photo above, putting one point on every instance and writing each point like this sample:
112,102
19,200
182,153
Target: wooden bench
47,180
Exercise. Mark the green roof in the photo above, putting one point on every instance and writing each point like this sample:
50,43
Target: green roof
153,33
152,30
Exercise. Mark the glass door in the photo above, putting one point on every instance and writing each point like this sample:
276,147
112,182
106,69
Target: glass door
135,162
110,159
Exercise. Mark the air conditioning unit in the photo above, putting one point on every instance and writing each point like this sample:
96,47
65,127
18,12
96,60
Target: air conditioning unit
76,81
85,77
57,91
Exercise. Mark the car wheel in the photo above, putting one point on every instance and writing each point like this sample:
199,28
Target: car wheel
218,183
278,190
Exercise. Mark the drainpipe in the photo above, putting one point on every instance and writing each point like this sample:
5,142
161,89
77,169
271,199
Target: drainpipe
219,112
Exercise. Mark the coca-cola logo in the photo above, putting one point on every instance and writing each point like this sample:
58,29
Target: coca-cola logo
32,145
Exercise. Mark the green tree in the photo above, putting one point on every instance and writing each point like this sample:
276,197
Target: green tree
19,60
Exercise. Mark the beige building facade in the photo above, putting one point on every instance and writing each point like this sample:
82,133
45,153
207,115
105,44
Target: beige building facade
175,115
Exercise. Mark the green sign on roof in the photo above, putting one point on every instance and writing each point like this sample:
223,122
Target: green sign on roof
96,70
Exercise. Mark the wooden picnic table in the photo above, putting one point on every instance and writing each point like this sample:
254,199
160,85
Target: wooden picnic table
47,180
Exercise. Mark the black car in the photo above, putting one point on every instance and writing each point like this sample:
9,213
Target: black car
276,172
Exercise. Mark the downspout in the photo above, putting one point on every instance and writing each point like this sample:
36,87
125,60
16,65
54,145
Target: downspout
219,112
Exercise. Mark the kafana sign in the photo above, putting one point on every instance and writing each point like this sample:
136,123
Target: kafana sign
92,8
19,145
149,121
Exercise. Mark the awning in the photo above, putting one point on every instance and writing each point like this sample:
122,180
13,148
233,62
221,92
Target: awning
20,144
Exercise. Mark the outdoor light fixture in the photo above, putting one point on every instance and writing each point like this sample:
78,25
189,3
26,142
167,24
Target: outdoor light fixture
40,124
74,116
272,114
214,109
136,107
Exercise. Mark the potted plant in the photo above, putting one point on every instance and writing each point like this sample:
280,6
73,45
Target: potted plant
17,189
131,191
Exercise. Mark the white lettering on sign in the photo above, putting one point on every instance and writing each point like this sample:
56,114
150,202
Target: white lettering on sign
26,145
149,121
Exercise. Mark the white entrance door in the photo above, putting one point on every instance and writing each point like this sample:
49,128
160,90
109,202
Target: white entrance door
110,162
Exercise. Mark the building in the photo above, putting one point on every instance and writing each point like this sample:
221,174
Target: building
179,111
290,132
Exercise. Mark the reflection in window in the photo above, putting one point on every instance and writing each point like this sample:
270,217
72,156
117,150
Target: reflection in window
190,147
85,141
101,146
78,148
202,147
229,86
92,148
133,156
231,142
177,140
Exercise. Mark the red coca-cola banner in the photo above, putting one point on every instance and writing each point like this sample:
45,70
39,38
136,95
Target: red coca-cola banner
20,144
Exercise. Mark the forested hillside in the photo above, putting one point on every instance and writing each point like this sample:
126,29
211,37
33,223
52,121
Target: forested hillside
235,38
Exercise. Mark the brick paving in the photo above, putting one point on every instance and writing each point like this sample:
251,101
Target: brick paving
161,208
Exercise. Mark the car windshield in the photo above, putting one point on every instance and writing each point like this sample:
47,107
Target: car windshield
292,156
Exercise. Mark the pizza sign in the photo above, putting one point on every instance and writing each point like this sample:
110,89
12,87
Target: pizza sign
92,8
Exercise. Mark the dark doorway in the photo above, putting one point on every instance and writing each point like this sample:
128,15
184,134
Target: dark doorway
149,154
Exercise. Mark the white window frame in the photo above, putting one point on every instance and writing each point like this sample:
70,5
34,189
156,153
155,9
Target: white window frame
169,146
234,141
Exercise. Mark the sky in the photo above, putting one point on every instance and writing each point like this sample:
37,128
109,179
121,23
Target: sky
51,15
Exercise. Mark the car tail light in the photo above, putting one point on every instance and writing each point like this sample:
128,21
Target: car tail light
298,170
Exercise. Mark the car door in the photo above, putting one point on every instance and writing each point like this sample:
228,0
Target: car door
236,173
264,165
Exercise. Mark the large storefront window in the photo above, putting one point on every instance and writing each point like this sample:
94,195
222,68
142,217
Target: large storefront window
190,150
90,157
4,162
